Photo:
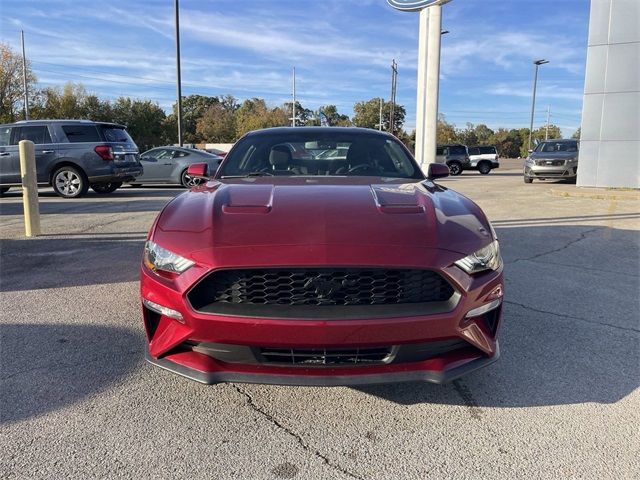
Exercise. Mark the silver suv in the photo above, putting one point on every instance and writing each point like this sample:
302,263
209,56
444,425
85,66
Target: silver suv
553,159
71,155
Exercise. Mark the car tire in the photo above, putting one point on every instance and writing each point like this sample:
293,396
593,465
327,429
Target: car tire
484,167
69,182
528,180
455,168
187,181
106,187
4,190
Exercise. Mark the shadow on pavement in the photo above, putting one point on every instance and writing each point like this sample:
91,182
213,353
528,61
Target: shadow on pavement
71,261
48,367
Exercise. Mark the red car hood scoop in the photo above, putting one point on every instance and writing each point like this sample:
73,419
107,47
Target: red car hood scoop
322,214
315,212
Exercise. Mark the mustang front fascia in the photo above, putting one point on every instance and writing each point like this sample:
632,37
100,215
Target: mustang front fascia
434,342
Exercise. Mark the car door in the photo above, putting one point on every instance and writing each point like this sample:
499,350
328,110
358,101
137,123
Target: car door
150,165
166,163
45,150
9,159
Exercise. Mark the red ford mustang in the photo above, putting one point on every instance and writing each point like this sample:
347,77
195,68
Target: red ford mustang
346,266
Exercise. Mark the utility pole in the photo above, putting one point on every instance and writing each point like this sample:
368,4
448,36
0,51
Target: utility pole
394,82
546,133
179,77
537,63
380,121
24,79
293,104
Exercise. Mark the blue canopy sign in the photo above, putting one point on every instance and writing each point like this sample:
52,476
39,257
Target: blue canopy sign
413,5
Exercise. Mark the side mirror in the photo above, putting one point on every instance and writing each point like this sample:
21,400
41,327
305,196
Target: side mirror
198,170
437,170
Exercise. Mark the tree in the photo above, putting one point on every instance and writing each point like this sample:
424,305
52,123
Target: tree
446,132
193,107
69,101
218,123
507,142
483,134
11,84
334,118
576,134
367,114
468,135
254,114
144,121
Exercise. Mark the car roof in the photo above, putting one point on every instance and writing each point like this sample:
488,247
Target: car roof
347,130
68,122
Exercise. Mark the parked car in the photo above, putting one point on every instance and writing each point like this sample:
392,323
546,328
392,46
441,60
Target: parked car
321,271
553,159
216,151
455,156
170,164
484,158
71,155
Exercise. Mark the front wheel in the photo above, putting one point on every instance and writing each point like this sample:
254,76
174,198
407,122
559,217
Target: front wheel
69,182
189,182
106,187
455,168
528,180
484,168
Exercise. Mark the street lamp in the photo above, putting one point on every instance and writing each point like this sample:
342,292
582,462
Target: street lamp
537,63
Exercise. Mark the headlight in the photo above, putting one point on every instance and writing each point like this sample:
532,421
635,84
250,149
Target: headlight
158,258
487,258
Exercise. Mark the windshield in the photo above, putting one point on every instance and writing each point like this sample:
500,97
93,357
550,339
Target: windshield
548,147
313,153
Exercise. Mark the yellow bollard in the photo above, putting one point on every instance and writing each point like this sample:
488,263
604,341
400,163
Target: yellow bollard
29,188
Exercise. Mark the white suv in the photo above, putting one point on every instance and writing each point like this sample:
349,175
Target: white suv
484,158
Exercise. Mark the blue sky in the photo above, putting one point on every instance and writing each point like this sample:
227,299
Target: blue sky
342,50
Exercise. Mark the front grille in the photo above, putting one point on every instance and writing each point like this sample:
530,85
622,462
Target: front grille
320,287
314,356
549,163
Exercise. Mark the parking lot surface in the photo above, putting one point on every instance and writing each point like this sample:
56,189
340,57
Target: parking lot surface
77,399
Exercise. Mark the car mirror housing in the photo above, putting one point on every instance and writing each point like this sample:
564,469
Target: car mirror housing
198,170
437,170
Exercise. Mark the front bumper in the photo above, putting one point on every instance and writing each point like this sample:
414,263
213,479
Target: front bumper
564,171
175,345
424,372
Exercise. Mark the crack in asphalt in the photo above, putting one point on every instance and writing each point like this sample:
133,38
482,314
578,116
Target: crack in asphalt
571,317
305,446
583,235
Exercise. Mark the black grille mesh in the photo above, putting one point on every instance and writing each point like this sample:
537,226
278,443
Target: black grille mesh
340,287
323,356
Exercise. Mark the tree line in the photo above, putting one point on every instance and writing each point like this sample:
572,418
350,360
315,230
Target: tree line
223,119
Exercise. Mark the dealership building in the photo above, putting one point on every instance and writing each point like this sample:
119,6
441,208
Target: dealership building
610,131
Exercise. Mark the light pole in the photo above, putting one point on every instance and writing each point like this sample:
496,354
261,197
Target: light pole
537,63
178,74
24,78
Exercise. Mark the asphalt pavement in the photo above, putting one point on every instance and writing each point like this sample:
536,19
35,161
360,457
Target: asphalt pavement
77,399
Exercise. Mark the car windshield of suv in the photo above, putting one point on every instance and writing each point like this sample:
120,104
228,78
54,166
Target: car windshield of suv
314,153
548,147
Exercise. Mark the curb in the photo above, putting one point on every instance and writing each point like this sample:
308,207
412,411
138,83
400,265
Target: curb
599,195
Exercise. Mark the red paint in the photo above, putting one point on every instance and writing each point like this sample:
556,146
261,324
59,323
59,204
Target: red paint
321,221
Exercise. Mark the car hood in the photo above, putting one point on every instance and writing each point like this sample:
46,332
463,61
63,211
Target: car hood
302,211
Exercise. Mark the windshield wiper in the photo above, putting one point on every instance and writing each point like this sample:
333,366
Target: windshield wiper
252,174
